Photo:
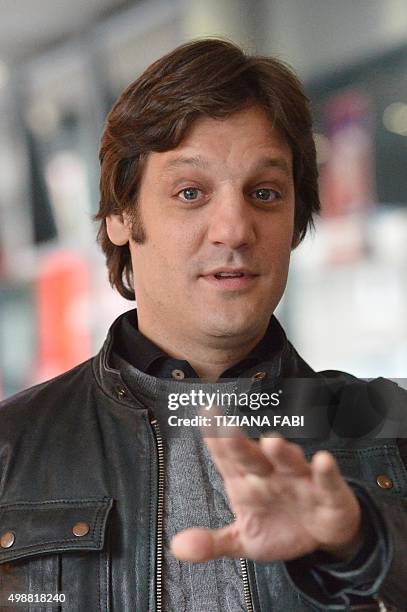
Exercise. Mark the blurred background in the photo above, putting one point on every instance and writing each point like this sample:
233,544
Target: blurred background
63,63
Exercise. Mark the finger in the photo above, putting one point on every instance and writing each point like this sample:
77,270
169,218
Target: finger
238,455
326,473
286,457
199,545
233,452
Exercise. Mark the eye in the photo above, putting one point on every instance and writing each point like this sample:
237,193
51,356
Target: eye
266,194
189,194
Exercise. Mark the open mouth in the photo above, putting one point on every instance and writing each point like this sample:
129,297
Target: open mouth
230,280
229,274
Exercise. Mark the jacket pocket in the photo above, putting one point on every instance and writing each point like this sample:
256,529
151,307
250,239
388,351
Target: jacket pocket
53,555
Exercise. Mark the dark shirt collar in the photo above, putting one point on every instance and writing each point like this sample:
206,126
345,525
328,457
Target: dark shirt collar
143,354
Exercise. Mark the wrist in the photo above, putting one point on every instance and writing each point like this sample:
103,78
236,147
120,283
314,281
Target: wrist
349,548
346,552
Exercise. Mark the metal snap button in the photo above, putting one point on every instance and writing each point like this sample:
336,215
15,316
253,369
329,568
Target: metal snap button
178,374
7,539
384,481
259,375
80,529
121,392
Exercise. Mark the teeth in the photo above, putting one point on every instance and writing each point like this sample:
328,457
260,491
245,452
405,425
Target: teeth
231,274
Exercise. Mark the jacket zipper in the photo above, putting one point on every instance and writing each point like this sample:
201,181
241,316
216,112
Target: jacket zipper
160,529
246,587
160,515
243,562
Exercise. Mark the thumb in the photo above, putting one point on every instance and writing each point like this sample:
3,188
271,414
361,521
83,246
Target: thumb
199,545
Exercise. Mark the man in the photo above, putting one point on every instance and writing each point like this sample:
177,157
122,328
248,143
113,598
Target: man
208,181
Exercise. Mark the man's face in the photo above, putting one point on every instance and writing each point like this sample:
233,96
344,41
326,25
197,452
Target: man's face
218,213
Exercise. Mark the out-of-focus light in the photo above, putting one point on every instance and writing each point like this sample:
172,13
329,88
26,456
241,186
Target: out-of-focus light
323,147
42,117
4,74
395,118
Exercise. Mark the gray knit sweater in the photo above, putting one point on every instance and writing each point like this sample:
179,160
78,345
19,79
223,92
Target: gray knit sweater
194,496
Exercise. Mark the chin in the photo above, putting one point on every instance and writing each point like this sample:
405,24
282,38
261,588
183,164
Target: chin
227,325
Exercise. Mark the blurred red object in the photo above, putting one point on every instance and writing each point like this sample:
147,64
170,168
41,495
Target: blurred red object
62,295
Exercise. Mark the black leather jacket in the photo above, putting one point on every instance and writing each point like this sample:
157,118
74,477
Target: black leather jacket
80,489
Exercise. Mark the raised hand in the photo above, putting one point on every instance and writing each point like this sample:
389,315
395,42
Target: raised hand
284,506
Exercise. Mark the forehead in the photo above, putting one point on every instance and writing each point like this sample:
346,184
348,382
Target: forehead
244,139
252,118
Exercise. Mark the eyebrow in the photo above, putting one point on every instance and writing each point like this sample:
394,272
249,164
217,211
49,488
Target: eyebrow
279,162
197,161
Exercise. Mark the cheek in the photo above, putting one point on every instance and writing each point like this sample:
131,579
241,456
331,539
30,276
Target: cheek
278,243
178,246
169,256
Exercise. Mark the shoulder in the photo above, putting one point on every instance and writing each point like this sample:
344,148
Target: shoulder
376,406
47,395
372,385
375,389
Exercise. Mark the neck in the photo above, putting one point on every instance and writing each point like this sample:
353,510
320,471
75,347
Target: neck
209,355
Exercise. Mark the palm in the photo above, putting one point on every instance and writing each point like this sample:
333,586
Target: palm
284,506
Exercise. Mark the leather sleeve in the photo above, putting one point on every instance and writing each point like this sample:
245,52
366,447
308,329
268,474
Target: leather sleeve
379,573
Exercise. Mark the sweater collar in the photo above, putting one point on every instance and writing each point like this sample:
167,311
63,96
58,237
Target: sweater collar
274,356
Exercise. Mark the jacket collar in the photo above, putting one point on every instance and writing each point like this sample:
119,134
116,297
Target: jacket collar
284,362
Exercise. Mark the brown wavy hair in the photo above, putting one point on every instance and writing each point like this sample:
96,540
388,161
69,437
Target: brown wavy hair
212,78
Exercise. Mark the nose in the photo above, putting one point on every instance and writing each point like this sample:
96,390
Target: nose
231,221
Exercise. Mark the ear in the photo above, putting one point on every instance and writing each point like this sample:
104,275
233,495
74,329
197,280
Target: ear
118,229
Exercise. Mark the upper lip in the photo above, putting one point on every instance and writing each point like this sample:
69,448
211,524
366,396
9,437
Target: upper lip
229,270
